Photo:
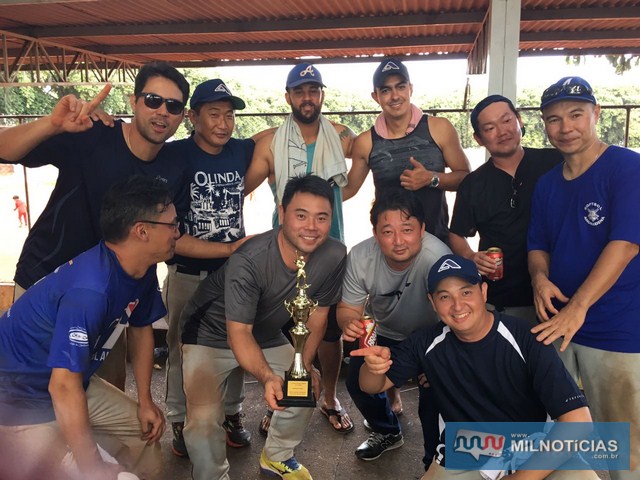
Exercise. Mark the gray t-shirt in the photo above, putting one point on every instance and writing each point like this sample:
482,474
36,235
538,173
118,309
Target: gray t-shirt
397,300
251,288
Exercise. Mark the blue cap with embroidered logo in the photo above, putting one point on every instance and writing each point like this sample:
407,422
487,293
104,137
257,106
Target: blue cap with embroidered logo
575,89
213,91
389,66
304,73
452,266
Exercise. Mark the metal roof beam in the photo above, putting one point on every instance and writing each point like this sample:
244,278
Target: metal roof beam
582,35
192,28
593,13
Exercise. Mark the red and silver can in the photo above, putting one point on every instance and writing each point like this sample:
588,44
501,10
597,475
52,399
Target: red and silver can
496,254
368,338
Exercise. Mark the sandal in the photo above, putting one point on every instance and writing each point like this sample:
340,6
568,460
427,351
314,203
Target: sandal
341,415
265,423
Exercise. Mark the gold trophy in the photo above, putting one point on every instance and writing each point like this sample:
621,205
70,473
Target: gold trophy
297,381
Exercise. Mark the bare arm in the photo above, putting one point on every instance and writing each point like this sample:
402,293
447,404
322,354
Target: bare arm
348,317
544,291
152,420
192,247
459,245
69,115
261,165
360,151
72,415
610,264
455,159
377,361
347,138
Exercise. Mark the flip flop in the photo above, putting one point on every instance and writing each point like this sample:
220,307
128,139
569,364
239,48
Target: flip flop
341,415
265,423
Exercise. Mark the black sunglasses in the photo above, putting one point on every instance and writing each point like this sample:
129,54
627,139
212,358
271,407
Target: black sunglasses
154,101
174,225
513,201
555,90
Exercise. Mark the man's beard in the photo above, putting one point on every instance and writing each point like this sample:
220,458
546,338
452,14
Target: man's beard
297,113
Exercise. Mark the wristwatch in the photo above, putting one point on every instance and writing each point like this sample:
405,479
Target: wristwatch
435,181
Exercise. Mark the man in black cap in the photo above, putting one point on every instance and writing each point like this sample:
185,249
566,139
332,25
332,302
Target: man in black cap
216,171
495,201
408,150
309,143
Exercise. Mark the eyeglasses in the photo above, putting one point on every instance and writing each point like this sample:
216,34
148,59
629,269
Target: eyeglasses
513,202
174,225
555,90
154,102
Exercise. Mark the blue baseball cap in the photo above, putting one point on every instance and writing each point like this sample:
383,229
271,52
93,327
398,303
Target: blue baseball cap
389,66
304,73
452,266
213,91
575,89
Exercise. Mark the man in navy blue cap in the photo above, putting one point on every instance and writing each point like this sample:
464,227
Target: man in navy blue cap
309,143
216,169
482,366
495,201
408,150
583,257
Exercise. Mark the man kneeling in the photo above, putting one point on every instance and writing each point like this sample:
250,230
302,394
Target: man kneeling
482,366
57,334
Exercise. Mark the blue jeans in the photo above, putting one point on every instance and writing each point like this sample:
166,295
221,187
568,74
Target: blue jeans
377,411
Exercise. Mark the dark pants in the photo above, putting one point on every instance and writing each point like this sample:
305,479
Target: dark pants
377,411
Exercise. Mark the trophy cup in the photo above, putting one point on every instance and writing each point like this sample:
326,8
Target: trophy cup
297,381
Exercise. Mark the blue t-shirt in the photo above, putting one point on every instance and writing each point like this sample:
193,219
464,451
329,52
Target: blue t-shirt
508,376
573,221
337,222
216,191
70,319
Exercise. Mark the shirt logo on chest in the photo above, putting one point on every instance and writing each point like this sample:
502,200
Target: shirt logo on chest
593,216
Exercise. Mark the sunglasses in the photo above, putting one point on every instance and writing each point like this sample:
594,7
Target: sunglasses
513,201
555,90
154,102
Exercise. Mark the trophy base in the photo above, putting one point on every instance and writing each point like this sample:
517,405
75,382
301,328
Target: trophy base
297,393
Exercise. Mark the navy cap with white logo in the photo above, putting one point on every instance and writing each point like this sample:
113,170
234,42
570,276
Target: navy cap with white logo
452,266
304,73
389,66
575,89
212,91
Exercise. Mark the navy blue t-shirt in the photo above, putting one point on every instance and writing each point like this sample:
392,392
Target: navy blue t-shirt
88,163
216,195
70,319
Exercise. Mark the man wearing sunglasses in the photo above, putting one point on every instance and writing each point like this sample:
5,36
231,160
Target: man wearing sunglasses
217,164
495,200
583,258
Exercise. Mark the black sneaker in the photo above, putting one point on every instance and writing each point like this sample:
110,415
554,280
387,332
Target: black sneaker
377,444
178,446
237,435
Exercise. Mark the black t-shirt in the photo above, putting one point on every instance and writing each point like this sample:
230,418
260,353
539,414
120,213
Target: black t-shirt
88,163
483,204
508,376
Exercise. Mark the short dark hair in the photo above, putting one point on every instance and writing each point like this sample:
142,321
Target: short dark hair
161,69
308,183
137,197
396,200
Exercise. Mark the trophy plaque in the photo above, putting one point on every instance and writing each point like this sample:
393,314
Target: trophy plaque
297,381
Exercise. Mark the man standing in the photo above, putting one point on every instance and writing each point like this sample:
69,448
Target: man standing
407,149
234,321
216,167
309,143
481,366
495,201
583,257
386,278
56,335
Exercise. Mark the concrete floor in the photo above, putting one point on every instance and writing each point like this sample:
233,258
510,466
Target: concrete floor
327,454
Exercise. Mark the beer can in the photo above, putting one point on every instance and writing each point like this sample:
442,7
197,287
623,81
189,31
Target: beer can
368,338
496,254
